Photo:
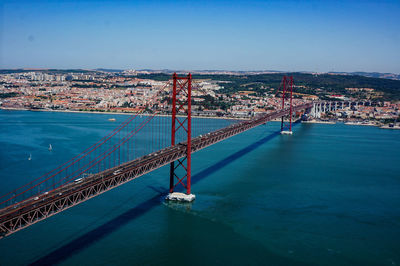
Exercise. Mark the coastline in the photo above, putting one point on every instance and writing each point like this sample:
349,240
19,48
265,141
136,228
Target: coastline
387,127
193,116
360,124
318,122
114,113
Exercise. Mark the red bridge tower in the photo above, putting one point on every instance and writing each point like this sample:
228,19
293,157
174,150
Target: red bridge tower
181,103
287,94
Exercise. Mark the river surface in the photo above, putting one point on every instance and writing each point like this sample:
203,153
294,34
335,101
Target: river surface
327,195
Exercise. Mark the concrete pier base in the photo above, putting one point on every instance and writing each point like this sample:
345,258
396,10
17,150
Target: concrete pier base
177,196
286,132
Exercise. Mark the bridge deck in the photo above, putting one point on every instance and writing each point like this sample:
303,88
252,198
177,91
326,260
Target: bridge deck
35,209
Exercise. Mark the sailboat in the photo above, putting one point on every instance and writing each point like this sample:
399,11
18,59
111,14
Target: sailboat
30,157
50,147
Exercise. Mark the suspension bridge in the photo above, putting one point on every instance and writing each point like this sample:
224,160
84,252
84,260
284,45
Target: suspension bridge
138,146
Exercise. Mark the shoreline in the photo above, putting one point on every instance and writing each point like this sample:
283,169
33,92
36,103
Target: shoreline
387,127
360,124
114,113
193,116
318,122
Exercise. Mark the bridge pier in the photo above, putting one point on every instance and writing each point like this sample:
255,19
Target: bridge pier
321,107
182,197
318,109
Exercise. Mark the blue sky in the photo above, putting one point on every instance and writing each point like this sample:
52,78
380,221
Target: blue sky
193,35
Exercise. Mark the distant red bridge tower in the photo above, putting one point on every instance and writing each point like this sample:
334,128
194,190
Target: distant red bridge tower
287,95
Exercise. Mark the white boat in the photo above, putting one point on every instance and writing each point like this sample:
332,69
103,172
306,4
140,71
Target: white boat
111,119
30,157
50,147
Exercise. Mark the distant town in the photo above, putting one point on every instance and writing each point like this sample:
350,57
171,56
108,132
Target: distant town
216,94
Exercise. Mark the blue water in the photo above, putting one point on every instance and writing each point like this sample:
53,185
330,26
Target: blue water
328,195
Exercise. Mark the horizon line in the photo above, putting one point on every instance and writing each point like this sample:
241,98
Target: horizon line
200,70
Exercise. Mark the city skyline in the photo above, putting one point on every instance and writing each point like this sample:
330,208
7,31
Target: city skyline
279,35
